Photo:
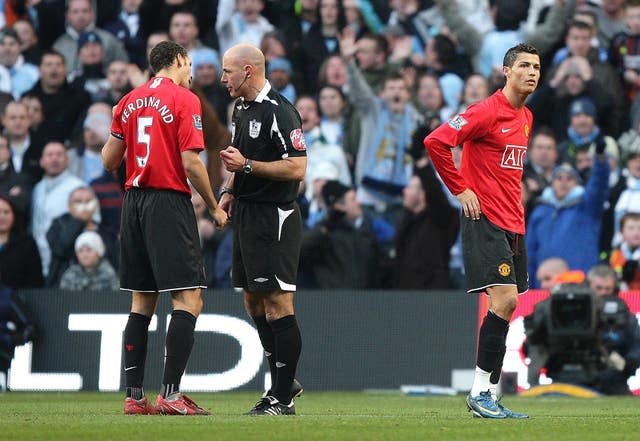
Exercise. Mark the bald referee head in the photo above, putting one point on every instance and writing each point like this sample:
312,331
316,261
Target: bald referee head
243,69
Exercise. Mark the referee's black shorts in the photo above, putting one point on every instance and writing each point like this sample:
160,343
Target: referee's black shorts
160,247
493,256
266,246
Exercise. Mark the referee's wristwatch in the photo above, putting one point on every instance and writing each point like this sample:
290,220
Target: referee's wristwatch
248,166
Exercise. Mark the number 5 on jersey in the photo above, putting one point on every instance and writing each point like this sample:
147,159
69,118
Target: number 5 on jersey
143,138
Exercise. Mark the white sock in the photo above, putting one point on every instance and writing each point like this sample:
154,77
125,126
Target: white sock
493,388
481,382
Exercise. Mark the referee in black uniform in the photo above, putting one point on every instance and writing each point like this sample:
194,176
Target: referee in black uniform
268,161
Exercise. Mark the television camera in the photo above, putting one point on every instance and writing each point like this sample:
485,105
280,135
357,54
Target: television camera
573,333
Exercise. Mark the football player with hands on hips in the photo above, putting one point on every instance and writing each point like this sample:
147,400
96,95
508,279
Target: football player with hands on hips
494,134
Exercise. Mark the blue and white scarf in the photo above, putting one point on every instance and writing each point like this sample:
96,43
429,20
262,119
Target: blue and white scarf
579,140
387,165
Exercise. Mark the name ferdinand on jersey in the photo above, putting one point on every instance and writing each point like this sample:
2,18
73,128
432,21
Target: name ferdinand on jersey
513,156
148,101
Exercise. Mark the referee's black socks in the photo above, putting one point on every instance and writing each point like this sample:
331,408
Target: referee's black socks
268,344
178,344
288,344
135,353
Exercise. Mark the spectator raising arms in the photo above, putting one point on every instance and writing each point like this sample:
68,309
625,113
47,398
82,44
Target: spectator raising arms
568,210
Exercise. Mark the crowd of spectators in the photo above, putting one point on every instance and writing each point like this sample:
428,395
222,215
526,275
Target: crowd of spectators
370,79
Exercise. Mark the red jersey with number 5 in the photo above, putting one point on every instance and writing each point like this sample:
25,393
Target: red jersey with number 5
494,136
157,122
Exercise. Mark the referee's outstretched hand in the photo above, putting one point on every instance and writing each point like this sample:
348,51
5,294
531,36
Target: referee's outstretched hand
470,204
219,217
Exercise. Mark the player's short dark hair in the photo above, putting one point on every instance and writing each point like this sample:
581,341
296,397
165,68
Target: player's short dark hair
164,54
512,53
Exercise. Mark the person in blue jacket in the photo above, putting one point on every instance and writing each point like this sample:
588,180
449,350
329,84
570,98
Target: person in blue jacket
566,221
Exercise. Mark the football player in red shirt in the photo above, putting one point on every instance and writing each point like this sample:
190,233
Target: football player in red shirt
494,134
158,127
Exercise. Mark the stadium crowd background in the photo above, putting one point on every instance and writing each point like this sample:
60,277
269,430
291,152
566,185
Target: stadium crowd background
371,79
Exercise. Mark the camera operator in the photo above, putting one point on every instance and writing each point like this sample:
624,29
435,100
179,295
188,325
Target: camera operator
585,334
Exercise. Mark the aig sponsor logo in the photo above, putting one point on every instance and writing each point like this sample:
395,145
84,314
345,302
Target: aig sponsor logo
513,157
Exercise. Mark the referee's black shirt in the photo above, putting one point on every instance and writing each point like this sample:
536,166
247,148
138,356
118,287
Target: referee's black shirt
266,129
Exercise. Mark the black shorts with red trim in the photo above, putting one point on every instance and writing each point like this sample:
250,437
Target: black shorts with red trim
160,247
267,238
493,256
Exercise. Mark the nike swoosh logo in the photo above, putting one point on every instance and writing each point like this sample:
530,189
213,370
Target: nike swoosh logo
505,130
489,411
180,411
280,364
129,368
260,279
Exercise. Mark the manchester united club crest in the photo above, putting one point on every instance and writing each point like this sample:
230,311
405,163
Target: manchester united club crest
297,139
504,269
254,128
526,130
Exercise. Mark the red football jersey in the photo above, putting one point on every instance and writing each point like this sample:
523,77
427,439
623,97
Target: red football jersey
157,121
494,136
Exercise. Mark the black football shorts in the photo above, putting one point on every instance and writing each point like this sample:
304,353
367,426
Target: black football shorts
266,246
159,246
493,256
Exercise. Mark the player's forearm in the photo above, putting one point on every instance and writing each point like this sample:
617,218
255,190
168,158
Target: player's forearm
197,174
288,169
230,179
440,155
112,153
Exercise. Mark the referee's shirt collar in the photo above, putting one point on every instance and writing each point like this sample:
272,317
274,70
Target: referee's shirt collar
263,93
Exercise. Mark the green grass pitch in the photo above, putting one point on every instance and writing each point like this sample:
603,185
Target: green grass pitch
321,416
